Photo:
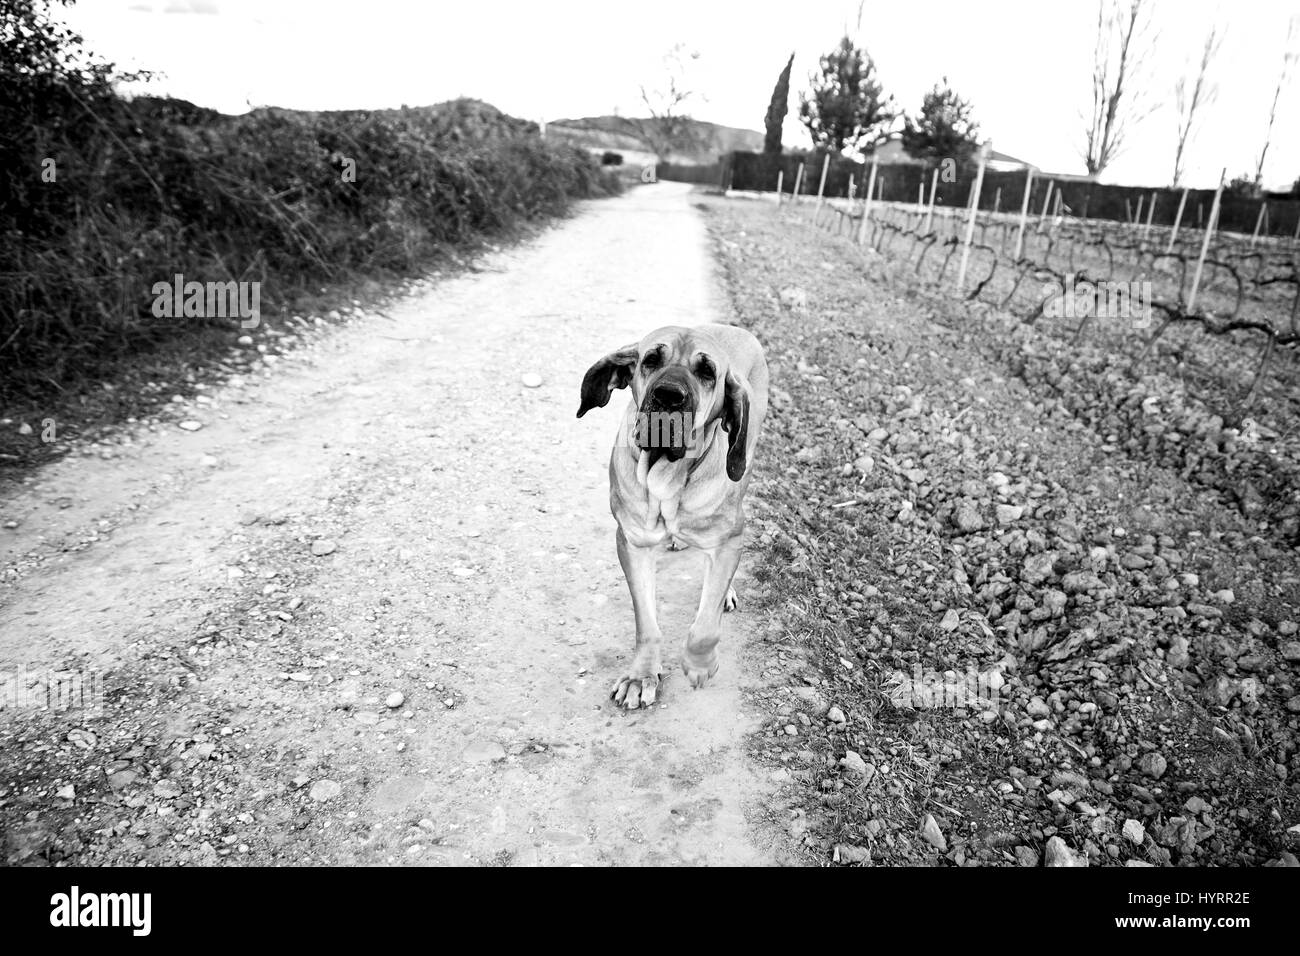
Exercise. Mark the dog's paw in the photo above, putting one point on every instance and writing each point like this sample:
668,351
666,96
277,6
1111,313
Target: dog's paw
633,692
698,670
730,602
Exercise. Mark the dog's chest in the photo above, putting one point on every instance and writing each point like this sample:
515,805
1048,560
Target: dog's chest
675,506
664,483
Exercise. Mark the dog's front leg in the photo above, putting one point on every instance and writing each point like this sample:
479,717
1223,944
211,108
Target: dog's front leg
700,661
640,685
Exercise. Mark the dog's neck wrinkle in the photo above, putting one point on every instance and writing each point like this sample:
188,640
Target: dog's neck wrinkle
665,480
707,438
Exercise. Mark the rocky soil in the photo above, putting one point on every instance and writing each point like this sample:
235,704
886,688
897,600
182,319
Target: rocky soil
1034,613
1002,604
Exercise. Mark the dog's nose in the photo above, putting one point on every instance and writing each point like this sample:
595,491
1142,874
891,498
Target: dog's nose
670,396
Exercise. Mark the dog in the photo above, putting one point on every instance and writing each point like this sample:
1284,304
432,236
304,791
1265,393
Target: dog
678,473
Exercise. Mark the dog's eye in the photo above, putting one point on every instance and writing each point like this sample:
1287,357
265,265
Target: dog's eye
705,369
651,360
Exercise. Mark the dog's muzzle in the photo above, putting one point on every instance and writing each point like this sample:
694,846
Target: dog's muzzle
666,418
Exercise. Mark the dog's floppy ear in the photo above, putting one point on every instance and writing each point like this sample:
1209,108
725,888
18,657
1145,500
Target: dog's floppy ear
735,419
611,372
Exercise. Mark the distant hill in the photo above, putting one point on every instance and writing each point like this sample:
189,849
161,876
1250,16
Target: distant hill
177,111
453,121
599,133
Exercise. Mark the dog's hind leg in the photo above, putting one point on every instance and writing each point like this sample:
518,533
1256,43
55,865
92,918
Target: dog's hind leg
639,687
700,662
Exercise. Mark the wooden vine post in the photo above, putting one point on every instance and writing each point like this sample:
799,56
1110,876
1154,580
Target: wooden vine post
1047,202
974,209
934,189
1024,214
1259,221
866,200
1173,233
1205,242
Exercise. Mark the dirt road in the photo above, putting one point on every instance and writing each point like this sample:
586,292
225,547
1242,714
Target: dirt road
391,512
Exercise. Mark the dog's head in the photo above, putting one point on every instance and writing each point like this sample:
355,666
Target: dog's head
681,381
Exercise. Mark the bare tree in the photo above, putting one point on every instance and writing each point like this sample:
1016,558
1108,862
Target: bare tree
1124,41
1189,102
1288,58
669,128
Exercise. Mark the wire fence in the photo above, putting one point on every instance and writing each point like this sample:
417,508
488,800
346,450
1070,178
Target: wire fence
1003,190
1158,277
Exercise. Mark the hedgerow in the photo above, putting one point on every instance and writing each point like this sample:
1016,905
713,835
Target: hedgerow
103,196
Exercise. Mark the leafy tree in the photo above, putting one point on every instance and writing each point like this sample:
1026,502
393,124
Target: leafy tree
943,129
1244,186
847,109
777,109
57,100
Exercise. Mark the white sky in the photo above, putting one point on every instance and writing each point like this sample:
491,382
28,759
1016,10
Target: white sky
1025,64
